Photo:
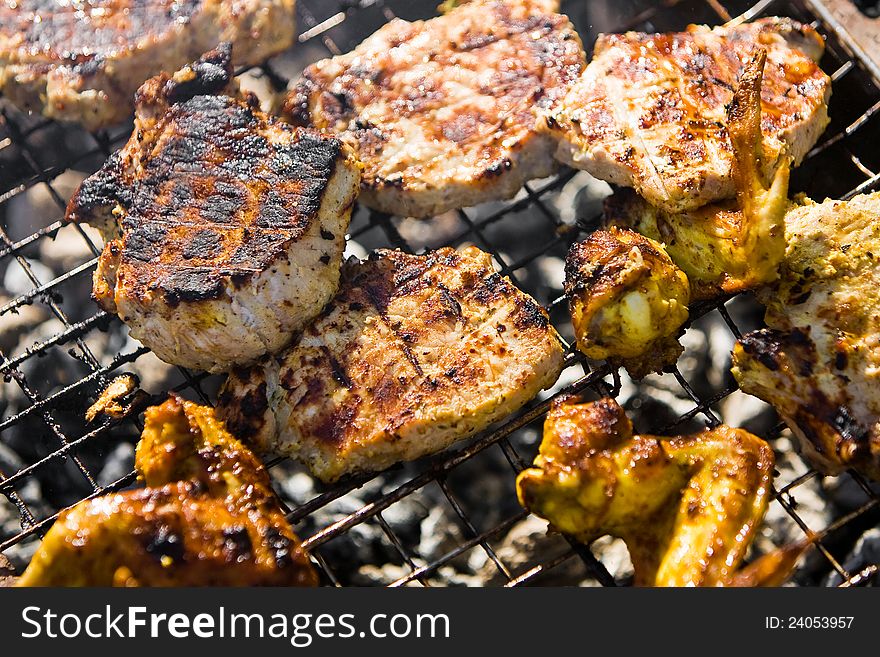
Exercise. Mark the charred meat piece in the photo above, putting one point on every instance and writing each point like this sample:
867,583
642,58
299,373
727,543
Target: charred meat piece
413,354
649,112
442,112
730,246
224,228
687,507
83,61
208,517
627,300
818,363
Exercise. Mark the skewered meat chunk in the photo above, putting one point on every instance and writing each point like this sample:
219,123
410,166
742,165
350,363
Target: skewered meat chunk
627,300
649,111
224,228
687,507
818,363
208,517
83,61
413,354
443,112
735,245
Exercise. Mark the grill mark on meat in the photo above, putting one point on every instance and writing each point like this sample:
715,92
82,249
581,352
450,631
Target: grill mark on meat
107,31
209,151
512,57
337,369
380,299
647,111
406,337
83,62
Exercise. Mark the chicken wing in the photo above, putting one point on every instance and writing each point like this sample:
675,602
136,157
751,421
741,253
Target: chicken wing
208,517
627,300
686,507
731,246
818,362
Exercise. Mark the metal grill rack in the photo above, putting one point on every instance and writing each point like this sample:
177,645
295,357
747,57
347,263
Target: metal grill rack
63,370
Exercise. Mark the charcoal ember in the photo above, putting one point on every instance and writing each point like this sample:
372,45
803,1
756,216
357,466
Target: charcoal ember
580,200
526,544
846,493
18,321
17,280
365,540
865,552
30,493
118,462
39,205
439,535
421,234
295,487
379,575
655,403
549,275
484,488
68,248
375,575
29,490
749,413
614,555
405,519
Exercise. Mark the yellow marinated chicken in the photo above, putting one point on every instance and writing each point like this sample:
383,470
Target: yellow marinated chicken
734,245
818,363
627,300
208,517
686,507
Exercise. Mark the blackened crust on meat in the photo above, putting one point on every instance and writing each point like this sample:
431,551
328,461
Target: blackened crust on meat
99,194
209,75
245,414
779,367
224,228
412,354
216,200
597,262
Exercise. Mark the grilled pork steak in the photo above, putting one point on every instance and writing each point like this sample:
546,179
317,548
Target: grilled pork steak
413,354
442,112
83,61
224,228
650,110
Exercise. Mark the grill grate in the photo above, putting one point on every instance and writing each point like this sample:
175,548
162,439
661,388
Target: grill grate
50,381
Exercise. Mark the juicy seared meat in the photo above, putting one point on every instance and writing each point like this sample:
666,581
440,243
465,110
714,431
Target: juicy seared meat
687,507
649,112
83,61
442,112
413,354
208,517
818,362
224,227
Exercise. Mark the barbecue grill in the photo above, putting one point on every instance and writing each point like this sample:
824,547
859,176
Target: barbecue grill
444,519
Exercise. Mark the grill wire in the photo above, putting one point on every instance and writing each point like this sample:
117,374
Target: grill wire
67,453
